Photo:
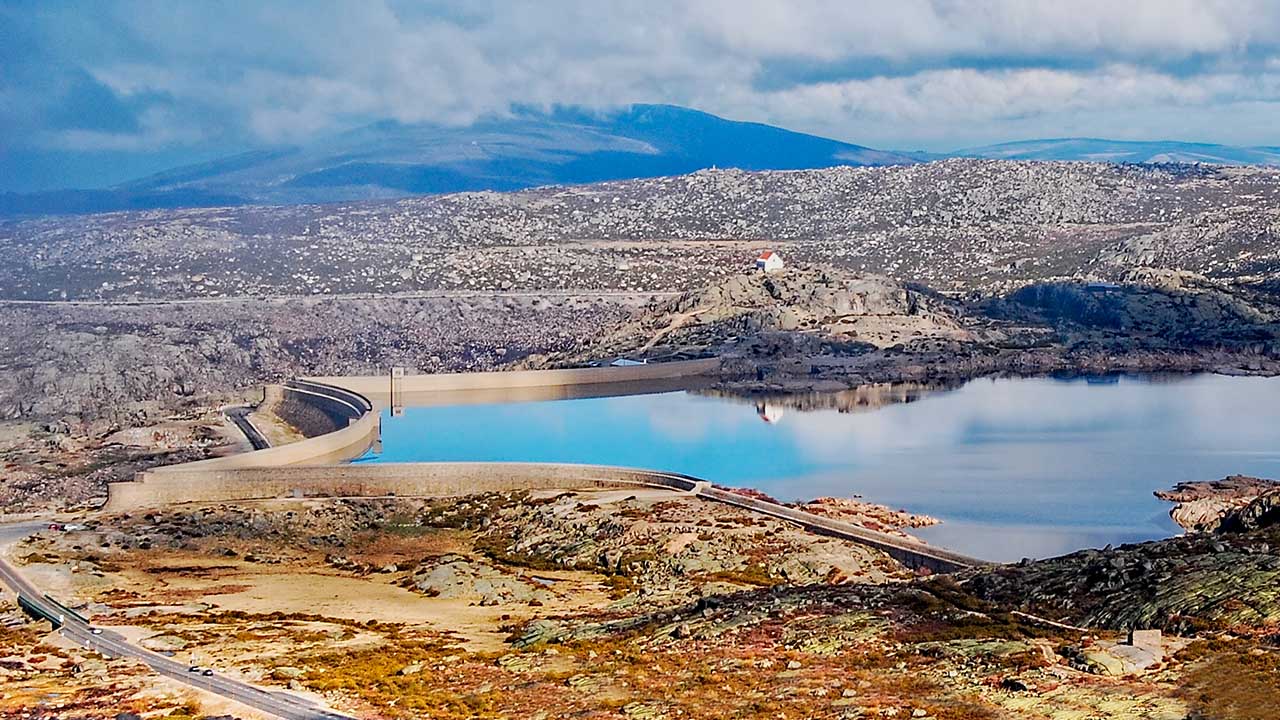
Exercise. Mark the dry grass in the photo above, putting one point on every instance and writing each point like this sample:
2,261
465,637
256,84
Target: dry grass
1232,680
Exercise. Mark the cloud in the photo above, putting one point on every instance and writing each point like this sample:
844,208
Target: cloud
934,72
968,95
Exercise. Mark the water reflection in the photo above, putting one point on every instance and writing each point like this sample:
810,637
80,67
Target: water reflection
1014,467
771,413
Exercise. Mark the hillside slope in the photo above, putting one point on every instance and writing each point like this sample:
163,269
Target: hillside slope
390,159
1124,151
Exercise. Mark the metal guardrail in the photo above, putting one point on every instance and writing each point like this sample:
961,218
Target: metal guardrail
38,612
909,552
65,609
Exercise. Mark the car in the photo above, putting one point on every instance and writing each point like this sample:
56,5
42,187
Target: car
207,672
55,526
194,668
96,631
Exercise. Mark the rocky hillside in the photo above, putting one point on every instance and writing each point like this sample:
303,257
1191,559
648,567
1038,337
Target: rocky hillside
825,329
955,224
1181,584
1236,502
862,311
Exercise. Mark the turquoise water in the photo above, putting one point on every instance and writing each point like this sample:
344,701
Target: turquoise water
1014,467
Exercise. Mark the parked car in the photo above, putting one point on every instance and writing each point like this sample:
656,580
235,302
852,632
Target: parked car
96,631
194,669
207,672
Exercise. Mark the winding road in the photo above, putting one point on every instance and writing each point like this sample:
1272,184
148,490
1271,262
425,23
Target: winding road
113,645
239,415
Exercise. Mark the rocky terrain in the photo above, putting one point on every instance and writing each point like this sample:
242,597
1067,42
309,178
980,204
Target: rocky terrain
122,335
815,328
625,604
111,362
955,225
1195,582
89,392
1236,502
928,274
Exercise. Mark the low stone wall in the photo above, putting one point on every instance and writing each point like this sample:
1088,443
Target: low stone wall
190,484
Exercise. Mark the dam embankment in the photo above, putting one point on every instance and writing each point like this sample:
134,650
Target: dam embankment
384,391
384,479
319,465
342,423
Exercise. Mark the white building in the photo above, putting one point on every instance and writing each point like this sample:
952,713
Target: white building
769,261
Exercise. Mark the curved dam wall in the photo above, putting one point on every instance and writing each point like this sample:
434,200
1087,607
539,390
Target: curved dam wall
355,430
314,409
340,404
383,479
521,384
317,466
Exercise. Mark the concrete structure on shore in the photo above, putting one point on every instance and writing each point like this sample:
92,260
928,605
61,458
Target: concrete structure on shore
342,419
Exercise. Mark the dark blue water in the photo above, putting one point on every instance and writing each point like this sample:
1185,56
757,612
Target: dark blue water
1014,467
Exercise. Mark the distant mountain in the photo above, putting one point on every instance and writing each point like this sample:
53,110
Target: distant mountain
1123,151
530,148
390,159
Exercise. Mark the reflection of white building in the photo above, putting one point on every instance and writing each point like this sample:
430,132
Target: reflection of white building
768,413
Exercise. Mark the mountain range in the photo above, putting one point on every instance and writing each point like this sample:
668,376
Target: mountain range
1125,151
531,148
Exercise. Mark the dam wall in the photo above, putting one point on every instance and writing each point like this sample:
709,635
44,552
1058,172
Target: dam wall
356,429
319,466
179,485
538,384
343,423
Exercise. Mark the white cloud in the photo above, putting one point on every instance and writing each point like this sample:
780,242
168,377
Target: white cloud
911,70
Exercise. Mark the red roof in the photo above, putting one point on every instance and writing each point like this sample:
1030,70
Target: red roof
765,255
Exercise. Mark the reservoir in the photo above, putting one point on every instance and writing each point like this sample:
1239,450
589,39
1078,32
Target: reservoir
1013,467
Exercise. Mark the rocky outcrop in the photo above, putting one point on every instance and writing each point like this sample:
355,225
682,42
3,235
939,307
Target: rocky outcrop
1181,584
752,311
1173,305
1204,506
457,577
813,328
1262,512
1236,503
865,514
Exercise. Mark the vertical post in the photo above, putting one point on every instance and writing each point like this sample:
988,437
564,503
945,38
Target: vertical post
397,381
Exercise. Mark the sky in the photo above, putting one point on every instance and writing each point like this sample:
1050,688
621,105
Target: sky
97,92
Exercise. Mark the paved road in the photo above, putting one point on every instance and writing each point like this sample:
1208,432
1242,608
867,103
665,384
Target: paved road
240,416
110,644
